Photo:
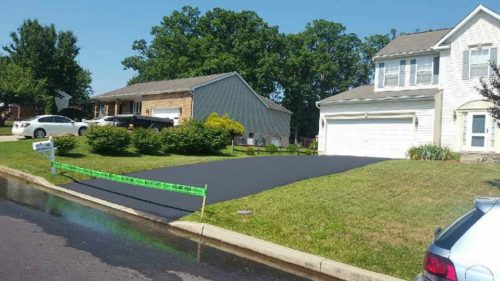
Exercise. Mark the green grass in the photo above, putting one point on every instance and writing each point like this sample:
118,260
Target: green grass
19,155
5,130
380,217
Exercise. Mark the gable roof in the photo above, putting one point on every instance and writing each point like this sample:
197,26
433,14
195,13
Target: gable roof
412,43
367,93
477,10
180,85
165,86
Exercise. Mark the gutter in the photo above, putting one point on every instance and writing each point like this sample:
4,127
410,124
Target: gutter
405,98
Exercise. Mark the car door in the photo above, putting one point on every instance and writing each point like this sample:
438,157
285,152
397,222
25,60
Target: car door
65,125
48,124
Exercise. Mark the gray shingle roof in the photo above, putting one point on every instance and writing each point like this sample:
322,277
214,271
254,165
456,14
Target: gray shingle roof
165,86
272,105
411,43
367,93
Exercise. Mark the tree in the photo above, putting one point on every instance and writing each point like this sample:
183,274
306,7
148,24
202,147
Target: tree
187,44
370,46
490,89
231,127
50,56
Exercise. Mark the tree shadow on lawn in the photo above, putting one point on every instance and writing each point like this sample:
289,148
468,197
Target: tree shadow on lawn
495,183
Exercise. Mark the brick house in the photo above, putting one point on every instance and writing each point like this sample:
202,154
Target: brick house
197,97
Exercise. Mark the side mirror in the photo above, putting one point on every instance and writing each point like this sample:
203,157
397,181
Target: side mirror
437,232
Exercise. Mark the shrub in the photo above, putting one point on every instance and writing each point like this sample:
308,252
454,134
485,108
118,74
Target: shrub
193,137
107,139
146,141
250,150
308,151
292,148
72,113
65,144
313,145
271,148
430,152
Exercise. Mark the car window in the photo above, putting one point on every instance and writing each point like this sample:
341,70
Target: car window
110,119
61,119
49,119
451,235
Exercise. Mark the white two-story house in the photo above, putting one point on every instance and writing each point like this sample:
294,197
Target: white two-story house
424,92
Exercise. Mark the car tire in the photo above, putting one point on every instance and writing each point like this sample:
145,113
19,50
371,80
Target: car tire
156,129
39,133
81,131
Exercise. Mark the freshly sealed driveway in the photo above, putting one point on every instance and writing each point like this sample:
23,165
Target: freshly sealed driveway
226,180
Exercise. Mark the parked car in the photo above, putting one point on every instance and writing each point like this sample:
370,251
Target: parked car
469,249
130,121
44,125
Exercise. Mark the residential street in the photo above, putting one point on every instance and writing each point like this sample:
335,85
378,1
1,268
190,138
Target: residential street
48,238
226,180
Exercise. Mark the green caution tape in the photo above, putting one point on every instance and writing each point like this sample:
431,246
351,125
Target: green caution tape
186,189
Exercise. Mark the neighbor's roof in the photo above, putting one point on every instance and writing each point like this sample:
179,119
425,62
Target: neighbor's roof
412,43
165,86
367,93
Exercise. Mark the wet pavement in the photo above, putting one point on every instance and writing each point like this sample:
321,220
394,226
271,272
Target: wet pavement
45,237
226,180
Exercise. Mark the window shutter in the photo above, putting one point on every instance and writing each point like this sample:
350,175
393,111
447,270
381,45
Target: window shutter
465,66
493,59
413,72
381,75
402,65
435,73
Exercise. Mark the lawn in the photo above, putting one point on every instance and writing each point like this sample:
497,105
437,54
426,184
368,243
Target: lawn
5,130
380,217
19,155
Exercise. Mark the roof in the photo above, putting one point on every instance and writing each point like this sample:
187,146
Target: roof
165,86
272,105
180,85
367,93
440,44
412,43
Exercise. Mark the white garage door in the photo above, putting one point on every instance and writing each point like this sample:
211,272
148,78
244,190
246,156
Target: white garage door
387,137
172,113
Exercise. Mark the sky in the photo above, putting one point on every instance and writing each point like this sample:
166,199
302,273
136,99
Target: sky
106,29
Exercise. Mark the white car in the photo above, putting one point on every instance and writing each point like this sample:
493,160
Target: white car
102,121
45,125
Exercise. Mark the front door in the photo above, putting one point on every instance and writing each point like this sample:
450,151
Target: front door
478,134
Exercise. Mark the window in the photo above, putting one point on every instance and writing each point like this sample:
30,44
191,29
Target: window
102,109
479,62
391,74
49,119
451,235
136,108
424,71
61,119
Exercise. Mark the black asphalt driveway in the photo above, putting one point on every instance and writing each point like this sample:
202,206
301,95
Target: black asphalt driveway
226,180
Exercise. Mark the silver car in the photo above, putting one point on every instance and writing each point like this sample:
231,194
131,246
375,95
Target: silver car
469,249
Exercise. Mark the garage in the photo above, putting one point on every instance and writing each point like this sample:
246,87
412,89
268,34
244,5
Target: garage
375,137
168,112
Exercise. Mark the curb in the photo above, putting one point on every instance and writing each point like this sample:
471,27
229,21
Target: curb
304,260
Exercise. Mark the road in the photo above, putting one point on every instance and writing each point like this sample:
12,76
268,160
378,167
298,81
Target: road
44,237
226,180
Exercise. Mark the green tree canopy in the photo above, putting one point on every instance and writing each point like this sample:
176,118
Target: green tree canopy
18,85
50,57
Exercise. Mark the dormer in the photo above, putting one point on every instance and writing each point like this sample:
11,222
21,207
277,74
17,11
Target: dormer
409,62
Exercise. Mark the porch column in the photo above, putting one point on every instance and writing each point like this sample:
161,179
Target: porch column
116,106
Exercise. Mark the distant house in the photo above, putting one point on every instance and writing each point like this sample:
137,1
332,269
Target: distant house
197,97
20,112
424,93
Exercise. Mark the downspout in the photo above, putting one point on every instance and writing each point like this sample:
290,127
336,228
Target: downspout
192,103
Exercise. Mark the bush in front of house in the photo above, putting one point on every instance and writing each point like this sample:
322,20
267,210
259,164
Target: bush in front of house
292,148
308,151
107,139
146,141
430,152
271,148
65,144
193,137
250,150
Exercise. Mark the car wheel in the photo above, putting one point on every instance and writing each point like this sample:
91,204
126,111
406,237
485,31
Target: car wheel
156,130
39,133
81,131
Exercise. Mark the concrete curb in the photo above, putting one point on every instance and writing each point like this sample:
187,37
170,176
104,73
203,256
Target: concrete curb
301,259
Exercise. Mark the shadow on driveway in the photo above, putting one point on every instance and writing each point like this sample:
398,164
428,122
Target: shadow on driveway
226,180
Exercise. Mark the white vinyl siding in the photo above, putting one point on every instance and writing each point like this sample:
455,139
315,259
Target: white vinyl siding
479,62
424,71
391,74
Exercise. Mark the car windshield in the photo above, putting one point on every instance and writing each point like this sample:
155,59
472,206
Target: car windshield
451,235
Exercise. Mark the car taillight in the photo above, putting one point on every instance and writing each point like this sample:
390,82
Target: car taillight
25,125
440,267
